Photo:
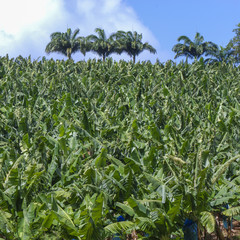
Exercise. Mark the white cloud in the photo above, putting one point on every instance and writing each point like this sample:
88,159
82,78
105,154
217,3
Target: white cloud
26,25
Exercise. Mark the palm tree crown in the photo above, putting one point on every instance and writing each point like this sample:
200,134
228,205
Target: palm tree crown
65,43
85,45
131,43
235,43
220,54
192,49
100,44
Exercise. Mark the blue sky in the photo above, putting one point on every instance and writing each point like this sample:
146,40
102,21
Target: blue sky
26,25
214,19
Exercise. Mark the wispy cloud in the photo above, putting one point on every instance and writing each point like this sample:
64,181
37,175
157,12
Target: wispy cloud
26,25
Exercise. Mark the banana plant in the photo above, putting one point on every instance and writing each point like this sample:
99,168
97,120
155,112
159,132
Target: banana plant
82,143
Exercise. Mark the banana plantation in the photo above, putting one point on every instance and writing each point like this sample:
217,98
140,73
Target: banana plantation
85,144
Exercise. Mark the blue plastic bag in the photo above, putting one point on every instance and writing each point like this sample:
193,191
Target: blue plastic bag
120,218
225,218
117,235
190,230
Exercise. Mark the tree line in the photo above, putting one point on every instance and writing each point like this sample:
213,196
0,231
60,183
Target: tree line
69,42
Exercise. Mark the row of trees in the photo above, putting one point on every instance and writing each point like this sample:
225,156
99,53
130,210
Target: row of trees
198,47
131,43
119,42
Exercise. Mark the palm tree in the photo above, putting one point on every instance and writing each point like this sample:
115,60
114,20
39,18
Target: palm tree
65,43
100,44
192,49
235,43
131,43
220,54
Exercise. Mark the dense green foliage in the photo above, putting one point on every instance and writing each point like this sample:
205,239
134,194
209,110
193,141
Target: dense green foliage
82,143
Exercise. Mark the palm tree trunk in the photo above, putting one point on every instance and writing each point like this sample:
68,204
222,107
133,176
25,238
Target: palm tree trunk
134,59
104,57
69,53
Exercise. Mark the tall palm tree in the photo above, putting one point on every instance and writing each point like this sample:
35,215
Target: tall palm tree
65,43
131,43
192,49
220,54
100,44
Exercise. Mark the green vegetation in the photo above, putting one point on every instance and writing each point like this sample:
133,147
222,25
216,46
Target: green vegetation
82,143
